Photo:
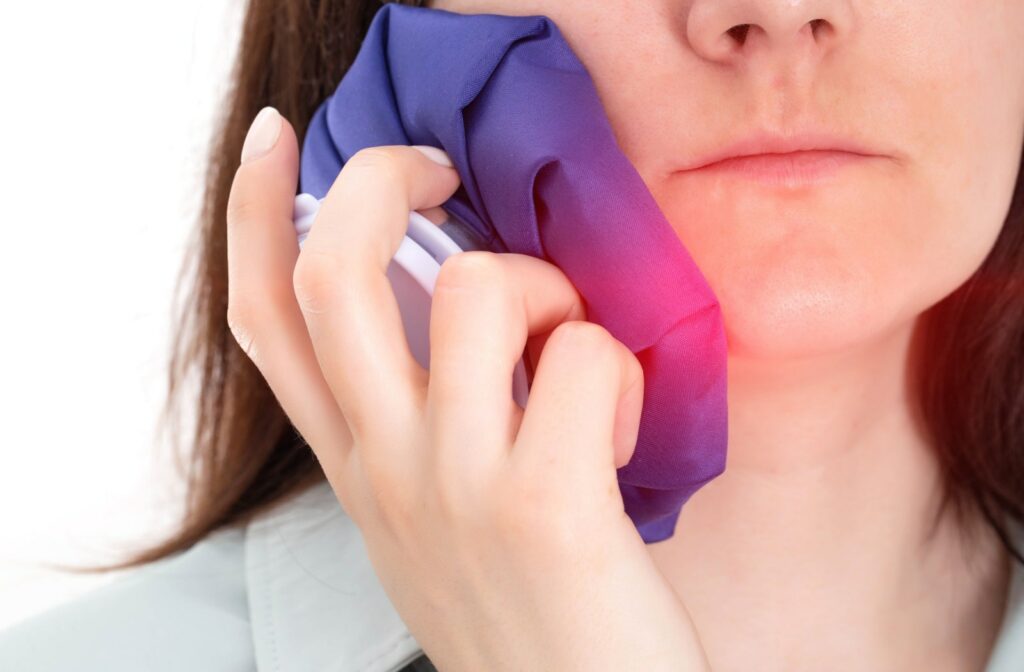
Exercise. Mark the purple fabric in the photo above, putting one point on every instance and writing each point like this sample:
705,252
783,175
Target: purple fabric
542,174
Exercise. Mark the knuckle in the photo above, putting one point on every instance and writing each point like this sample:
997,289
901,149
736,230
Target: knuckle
314,275
239,317
246,340
242,207
243,320
384,159
587,340
478,270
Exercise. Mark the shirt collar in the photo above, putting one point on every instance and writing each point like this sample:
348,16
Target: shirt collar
315,602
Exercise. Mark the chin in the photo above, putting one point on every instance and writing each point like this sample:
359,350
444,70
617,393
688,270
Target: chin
801,308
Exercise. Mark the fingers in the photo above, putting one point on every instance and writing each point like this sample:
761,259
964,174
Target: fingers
484,307
587,396
349,308
262,311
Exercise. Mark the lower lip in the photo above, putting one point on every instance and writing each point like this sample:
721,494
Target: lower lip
791,169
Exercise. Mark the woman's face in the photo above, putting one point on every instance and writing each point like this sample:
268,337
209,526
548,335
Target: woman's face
936,87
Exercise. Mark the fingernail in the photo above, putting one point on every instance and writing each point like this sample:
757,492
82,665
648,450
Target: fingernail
435,154
262,134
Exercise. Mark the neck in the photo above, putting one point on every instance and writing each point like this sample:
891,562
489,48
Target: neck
827,520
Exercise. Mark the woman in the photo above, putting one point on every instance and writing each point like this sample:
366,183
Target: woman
870,515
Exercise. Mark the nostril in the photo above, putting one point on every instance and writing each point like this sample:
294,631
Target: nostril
739,33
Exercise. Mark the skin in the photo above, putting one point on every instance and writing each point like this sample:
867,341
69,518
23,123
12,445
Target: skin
829,484
812,550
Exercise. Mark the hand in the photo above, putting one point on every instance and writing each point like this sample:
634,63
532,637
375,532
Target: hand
498,533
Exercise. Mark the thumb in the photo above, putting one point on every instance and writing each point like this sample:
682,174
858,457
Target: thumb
628,411
264,184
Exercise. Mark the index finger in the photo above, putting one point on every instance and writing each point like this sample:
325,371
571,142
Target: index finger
341,284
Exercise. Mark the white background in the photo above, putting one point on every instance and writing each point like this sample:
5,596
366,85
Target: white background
107,110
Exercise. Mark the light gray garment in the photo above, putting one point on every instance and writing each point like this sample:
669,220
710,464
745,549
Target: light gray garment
293,591
188,612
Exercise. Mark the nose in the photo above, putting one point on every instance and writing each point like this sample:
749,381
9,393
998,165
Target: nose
731,31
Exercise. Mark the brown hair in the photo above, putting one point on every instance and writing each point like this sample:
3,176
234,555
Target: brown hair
245,456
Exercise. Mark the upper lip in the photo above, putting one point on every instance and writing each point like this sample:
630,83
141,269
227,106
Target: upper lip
763,142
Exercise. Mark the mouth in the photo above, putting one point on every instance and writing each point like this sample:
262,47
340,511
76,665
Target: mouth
783,161
791,169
